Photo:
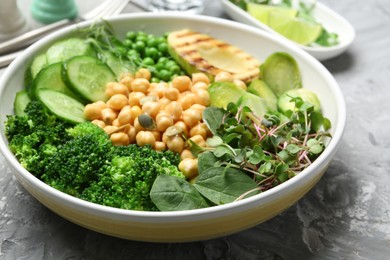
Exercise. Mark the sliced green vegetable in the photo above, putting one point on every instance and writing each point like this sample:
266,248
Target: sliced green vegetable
285,102
21,100
37,64
280,72
87,76
254,102
222,93
261,89
62,105
68,48
51,78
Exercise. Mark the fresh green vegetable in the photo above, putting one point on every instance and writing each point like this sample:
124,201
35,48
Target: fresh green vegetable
68,48
87,76
222,93
261,89
50,78
61,105
20,102
280,72
285,102
81,160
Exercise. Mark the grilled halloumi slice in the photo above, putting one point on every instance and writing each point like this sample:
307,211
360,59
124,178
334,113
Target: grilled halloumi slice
199,52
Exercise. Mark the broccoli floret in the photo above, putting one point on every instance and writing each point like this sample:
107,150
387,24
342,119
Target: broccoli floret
33,137
126,181
75,163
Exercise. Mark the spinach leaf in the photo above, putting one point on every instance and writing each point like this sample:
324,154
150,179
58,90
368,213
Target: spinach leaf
223,185
206,160
170,193
213,118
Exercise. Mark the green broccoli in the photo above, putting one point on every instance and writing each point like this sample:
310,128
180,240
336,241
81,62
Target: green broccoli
82,161
125,181
33,137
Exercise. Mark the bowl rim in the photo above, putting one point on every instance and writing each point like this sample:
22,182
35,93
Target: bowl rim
169,216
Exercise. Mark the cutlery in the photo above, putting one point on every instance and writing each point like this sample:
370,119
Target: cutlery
106,9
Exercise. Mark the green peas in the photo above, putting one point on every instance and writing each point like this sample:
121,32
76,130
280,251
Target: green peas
128,43
152,53
131,35
164,75
148,61
139,46
163,47
174,69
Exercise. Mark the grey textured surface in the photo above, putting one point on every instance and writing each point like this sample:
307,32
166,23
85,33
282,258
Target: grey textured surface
345,216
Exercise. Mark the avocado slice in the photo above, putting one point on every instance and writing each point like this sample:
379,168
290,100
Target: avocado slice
280,72
285,104
222,93
197,52
261,89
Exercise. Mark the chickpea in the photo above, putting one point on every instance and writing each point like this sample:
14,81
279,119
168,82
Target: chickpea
199,85
191,117
109,115
99,123
115,123
109,129
163,102
140,85
172,94
181,83
189,167
175,144
187,101
163,122
165,137
159,146
239,83
198,139
157,135
100,104
151,108
126,80
181,125
144,138
135,111
199,129
131,132
223,76
143,73
198,107
200,77
119,138
124,116
135,97
113,88
175,110
117,101
186,154
92,112
202,97
160,89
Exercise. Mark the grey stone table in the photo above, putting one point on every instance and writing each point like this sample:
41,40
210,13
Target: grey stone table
345,216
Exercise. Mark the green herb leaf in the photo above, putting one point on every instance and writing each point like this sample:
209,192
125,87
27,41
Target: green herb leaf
213,118
171,193
223,185
214,141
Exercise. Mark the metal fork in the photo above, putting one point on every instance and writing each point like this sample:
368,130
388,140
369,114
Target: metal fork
105,9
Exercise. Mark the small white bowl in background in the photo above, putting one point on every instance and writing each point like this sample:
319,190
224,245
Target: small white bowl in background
328,18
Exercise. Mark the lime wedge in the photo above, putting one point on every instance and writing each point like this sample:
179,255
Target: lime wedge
261,12
294,28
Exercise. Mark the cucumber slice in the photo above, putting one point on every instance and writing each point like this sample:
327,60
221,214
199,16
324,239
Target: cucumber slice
38,63
20,102
62,105
50,77
87,76
66,49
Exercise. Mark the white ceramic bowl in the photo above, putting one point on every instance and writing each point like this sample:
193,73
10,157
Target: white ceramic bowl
194,224
329,19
